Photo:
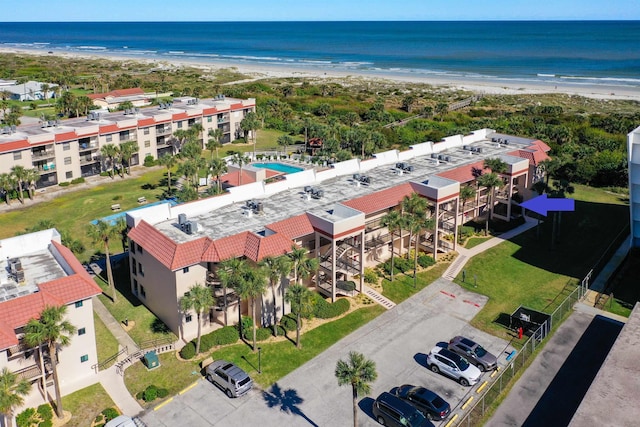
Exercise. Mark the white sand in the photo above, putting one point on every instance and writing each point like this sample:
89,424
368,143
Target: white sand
260,71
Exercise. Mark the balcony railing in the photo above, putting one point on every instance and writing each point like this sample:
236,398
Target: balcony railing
43,169
89,159
163,130
43,154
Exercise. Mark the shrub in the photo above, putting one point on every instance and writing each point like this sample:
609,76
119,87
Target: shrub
206,342
188,351
225,335
27,418
349,286
150,393
110,413
247,324
288,322
46,423
465,232
78,180
45,412
425,260
261,334
149,161
117,197
281,330
330,310
370,276
64,184
162,393
105,173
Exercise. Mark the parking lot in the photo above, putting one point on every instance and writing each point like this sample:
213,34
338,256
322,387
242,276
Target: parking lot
398,341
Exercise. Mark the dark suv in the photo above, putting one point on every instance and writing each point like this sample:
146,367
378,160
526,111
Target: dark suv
428,402
474,353
390,410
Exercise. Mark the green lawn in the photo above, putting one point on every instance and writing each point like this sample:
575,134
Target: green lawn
73,210
173,374
146,325
86,404
472,242
528,271
402,286
281,358
267,140
106,343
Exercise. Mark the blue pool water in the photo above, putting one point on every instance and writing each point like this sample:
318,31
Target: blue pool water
279,167
112,219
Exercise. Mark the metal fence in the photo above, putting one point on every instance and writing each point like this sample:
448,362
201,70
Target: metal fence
502,379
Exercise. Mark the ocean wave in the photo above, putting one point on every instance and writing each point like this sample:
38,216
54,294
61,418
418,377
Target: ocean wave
545,75
41,43
603,79
91,47
135,51
175,52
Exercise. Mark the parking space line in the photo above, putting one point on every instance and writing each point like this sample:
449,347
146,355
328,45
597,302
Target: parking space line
155,408
484,384
452,420
471,302
469,400
186,389
448,294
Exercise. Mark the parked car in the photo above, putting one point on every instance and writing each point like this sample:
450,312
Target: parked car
426,401
232,380
474,353
390,410
121,421
453,365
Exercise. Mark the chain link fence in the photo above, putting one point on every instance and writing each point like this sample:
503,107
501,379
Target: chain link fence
503,378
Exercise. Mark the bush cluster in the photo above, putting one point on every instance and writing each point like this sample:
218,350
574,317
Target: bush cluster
78,180
288,322
42,417
400,265
64,184
425,260
188,351
327,310
261,334
149,161
370,275
464,232
152,393
109,414
222,336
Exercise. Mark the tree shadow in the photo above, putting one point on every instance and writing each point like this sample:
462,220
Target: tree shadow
158,327
287,400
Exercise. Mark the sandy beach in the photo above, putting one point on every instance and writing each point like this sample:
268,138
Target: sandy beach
262,71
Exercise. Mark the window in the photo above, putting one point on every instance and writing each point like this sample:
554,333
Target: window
17,155
132,245
185,270
124,135
69,175
147,144
135,287
82,331
84,358
109,137
139,248
67,160
134,268
146,131
78,304
66,146
140,269
209,119
179,124
142,292
188,318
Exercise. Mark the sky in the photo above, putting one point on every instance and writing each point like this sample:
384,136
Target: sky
324,10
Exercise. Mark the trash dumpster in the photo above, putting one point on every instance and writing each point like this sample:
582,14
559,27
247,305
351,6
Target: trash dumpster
151,360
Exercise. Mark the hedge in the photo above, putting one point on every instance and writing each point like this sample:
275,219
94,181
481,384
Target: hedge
289,323
222,336
188,351
425,260
327,310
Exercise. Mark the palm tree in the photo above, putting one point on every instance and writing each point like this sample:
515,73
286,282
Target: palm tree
307,267
189,169
393,221
55,332
302,302
19,174
466,192
218,167
168,161
251,123
297,256
284,141
102,232
359,372
215,135
240,160
110,151
251,287
230,273
31,176
11,393
490,181
127,150
7,183
199,298
276,268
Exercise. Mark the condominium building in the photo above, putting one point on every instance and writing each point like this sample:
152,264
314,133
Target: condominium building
633,147
62,150
37,271
334,212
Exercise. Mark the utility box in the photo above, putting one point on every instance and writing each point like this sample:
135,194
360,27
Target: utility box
151,360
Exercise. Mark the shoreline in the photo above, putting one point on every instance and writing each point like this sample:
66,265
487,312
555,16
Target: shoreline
257,71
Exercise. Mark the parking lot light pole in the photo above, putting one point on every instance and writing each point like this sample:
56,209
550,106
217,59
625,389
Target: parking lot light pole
259,360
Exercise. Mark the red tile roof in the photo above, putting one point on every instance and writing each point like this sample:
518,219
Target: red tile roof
534,156
66,136
294,227
189,253
109,128
541,146
233,178
464,173
179,116
16,312
210,111
380,200
153,241
6,147
146,122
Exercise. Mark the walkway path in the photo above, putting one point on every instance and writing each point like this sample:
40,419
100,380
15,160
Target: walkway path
124,340
465,254
377,297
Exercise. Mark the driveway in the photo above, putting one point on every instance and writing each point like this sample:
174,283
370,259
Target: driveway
398,341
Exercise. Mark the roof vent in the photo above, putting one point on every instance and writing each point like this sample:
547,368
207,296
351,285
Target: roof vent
182,218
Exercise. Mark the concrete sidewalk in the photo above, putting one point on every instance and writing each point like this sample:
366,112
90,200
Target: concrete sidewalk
124,340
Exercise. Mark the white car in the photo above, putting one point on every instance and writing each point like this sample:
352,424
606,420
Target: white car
455,366
121,421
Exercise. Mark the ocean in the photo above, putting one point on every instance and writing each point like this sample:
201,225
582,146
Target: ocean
576,52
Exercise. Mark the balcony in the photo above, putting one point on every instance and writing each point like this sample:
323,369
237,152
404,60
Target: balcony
46,168
89,159
43,154
163,130
223,119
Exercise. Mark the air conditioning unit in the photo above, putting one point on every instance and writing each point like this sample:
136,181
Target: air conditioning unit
182,218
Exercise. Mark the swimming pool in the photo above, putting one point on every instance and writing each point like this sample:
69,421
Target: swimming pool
279,167
112,219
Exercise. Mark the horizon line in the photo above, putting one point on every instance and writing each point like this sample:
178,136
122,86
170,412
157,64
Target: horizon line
331,21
